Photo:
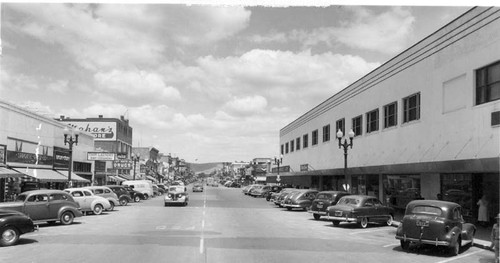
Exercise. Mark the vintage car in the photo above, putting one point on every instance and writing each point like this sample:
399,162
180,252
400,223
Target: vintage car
12,225
288,196
88,201
361,209
437,223
323,200
107,193
160,189
46,205
301,200
267,193
123,195
279,198
135,195
255,190
248,188
198,187
176,195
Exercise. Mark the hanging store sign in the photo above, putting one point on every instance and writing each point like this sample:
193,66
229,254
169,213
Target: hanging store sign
102,131
61,158
123,164
304,167
100,156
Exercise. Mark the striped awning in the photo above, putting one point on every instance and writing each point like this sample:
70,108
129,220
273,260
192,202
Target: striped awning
125,176
151,178
117,179
45,175
9,173
74,177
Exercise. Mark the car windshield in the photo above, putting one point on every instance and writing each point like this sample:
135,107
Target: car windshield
428,210
348,201
21,198
324,196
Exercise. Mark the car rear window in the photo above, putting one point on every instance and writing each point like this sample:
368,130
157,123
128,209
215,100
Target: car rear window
348,201
428,210
324,196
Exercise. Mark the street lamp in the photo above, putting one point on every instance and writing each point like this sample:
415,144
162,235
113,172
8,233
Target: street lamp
278,162
135,158
346,145
70,137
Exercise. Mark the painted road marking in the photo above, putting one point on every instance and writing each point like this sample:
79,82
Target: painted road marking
390,245
459,257
202,237
368,231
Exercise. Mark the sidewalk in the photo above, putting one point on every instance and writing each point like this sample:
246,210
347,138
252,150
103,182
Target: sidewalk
481,238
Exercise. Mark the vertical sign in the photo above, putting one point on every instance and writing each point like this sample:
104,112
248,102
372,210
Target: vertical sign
3,154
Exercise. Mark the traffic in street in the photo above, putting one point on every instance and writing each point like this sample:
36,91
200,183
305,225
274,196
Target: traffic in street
219,224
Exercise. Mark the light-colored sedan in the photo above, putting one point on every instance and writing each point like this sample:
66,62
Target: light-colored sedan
176,195
107,193
88,201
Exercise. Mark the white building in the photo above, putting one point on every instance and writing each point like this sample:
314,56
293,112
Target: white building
426,122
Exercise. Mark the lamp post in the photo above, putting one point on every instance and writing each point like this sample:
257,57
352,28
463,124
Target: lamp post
135,158
278,162
346,145
70,137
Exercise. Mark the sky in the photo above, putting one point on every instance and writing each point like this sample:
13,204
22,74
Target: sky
205,83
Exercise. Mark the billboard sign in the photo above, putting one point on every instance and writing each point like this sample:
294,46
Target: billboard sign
102,131
100,156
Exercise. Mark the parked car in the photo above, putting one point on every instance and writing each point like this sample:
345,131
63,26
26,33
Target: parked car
46,205
176,195
135,195
248,188
279,198
267,193
143,186
156,190
123,194
107,193
197,187
289,196
437,223
253,190
302,200
361,209
162,189
88,201
13,224
323,200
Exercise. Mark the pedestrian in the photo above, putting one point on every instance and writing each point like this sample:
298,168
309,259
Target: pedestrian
482,215
495,238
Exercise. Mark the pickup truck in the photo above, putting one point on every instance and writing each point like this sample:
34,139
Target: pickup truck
46,205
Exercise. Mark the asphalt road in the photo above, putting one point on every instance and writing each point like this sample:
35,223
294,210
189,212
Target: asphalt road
219,225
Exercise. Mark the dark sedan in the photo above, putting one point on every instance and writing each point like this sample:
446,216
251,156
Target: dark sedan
12,225
361,209
323,201
136,195
301,200
437,223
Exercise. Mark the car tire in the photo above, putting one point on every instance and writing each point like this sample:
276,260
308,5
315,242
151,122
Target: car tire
289,208
146,197
405,245
335,223
390,220
363,222
137,199
317,216
455,249
123,202
8,236
97,209
112,206
67,218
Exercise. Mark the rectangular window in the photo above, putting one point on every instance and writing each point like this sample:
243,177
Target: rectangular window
488,83
340,125
286,147
282,149
357,125
305,141
292,143
372,121
411,108
315,137
297,143
391,115
326,133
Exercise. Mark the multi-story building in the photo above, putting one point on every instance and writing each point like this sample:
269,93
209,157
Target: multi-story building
150,164
33,153
426,122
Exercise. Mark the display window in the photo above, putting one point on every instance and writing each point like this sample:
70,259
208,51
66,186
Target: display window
399,190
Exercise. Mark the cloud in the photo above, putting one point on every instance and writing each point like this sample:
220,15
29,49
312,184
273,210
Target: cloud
247,105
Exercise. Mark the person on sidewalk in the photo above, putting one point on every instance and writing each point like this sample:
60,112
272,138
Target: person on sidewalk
495,238
482,215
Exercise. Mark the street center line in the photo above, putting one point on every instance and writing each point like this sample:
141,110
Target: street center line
459,257
202,237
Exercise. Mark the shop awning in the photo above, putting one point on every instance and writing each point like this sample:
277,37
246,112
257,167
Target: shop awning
9,173
74,177
117,179
151,178
45,175
125,176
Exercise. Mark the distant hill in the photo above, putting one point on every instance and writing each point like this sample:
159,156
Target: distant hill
206,168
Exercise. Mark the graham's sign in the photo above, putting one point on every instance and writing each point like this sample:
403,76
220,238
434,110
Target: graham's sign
102,131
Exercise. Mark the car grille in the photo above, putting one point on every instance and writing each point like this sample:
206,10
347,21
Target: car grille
338,213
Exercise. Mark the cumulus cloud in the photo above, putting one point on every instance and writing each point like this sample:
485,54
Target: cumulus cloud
247,105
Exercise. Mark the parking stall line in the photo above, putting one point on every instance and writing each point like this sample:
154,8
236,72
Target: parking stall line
459,257
391,245
368,231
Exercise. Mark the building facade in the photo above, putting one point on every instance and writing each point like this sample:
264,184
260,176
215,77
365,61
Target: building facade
426,122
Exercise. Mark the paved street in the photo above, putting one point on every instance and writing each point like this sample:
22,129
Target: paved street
218,225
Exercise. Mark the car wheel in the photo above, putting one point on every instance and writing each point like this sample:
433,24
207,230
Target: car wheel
137,199
289,208
317,217
112,206
268,198
455,249
9,236
364,222
390,220
146,197
123,202
336,223
405,244
98,209
67,218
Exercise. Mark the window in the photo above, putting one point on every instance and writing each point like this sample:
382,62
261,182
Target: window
305,141
390,115
411,108
297,143
488,83
292,143
340,125
357,125
282,149
315,137
286,147
372,121
326,133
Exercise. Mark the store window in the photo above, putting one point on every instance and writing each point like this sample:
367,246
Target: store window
399,190
365,185
357,125
488,83
457,188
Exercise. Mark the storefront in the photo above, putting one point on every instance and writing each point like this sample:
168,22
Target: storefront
400,189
